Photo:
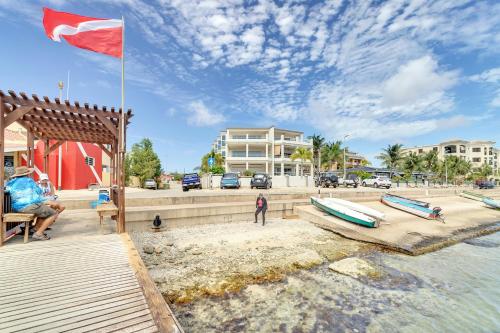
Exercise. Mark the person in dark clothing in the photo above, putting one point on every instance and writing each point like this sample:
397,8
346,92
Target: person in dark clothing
261,206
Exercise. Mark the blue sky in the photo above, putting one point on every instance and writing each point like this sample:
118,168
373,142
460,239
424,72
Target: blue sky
408,71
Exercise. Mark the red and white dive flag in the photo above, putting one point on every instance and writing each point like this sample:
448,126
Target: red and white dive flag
95,34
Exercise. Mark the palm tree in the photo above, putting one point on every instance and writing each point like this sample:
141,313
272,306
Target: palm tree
392,156
318,141
485,171
430,161
302,154
333,153
219,160
412,163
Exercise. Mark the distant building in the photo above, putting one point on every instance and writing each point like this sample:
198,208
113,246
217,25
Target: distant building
477,152
354,160
262,149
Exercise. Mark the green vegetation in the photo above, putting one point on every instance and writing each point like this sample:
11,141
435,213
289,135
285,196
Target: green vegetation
392,157
318,142
302,154
248,173
452,168
217,168
142,162
332,154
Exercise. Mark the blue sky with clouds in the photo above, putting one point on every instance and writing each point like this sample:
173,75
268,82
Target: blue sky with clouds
408,71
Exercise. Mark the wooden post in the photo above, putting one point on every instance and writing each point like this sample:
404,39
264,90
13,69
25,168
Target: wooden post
2,169
46,156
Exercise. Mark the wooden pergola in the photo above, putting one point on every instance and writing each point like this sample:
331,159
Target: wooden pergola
62,121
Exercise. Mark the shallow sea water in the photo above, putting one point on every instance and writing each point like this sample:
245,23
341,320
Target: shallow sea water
456,289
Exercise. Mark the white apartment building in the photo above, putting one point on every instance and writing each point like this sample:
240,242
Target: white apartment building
262,150
477,152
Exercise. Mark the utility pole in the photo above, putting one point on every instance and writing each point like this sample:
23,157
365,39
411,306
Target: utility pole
345,137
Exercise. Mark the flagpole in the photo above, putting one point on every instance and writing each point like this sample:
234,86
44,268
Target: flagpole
121,155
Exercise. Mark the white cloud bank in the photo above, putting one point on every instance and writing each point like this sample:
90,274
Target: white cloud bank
199,115
409,103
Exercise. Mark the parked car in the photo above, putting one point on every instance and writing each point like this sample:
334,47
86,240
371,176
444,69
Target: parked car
485,184
377,181
261,180
230,180
327,179
190,180
350,180
151,184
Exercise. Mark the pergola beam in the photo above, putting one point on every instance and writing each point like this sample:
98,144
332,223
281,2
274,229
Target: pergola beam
16,114
64,121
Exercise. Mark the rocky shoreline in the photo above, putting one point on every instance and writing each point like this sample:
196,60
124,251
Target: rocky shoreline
212,260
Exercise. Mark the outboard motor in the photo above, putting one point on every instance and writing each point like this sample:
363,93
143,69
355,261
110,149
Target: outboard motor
436,211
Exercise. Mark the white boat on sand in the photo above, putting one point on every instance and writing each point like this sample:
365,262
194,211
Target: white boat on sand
358,207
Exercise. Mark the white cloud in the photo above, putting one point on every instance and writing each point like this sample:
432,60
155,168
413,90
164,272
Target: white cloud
491,79
416,80
491,76
200,115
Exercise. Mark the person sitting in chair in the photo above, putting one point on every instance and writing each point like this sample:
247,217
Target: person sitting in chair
47,188
27,198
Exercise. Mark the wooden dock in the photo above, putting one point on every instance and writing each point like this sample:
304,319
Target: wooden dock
90,284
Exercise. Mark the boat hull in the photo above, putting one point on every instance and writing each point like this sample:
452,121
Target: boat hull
346,214
492,203
357,207
472,196
405,206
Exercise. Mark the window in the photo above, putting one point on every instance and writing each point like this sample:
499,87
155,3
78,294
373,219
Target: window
239,137
252,153
435,148
105,168
476,159
223,154
462,149
420,151
255,137
238,153
450,149
223,137
476,150
89,161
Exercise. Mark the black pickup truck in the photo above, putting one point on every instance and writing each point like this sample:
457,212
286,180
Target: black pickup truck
327,179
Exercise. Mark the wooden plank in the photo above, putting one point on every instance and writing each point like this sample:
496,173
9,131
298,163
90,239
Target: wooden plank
89,293
54,304
55,311
131,325
61,289
99,324
161,312
16,114
77,317
21,288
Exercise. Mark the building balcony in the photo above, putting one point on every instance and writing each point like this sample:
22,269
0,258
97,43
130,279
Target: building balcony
249,158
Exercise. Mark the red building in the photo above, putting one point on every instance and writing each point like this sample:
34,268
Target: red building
80,164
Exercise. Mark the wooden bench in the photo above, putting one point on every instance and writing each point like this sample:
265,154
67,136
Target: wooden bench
106,209
11,219
10,224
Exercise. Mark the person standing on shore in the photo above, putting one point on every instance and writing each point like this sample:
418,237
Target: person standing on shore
261,206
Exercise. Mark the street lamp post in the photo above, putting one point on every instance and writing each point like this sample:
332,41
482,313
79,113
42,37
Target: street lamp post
345,137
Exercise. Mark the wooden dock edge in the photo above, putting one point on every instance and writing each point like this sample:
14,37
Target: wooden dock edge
160,311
